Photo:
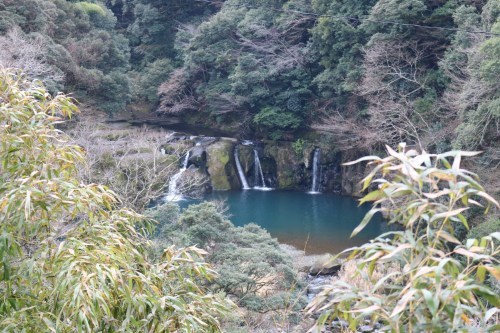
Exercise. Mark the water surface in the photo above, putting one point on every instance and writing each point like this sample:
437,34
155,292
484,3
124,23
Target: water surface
318,223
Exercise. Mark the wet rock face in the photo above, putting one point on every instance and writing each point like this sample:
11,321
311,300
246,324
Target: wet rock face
351,178
220,165
245,153
289,169
331,172
283,167
198,157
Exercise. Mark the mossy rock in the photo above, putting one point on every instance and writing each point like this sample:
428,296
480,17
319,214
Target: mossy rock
289,169
219,157
246,157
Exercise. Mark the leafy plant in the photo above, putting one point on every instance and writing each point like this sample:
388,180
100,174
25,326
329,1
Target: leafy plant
71,260
440,284
91,8
485,228
298,147
250,263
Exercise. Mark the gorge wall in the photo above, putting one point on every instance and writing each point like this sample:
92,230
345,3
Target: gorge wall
267,164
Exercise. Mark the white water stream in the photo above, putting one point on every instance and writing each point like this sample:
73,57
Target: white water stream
260,183
315,183
241,174
173,193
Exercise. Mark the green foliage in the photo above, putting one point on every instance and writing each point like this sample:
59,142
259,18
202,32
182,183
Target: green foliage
485,228
91,8
248,260
440,284
338,46
275,119
268,69
245,67
81,42
145,83
407,10
490,67
477,98
298,147
71,259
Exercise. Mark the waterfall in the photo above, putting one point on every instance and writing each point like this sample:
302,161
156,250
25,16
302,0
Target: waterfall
241,174
315,183
173,194
259,175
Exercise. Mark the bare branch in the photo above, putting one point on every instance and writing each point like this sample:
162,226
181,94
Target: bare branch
28,54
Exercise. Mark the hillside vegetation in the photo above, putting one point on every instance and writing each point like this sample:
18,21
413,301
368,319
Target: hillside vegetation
367,73
289,77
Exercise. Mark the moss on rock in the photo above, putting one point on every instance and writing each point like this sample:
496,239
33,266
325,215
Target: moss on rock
289,169
218,160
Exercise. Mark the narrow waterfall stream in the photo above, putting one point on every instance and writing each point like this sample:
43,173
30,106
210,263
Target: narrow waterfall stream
315,183
173,194
260,183
241,174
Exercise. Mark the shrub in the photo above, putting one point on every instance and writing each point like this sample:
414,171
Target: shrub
298,147
71,259
250,263
438,284
91,8
276,120
484,229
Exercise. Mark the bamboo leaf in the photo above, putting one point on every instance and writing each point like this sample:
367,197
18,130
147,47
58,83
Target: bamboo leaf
464,221
365,221
448,214
446,236
431,301
490,296
456,161
366,311
392,152
367,180
366,158
372,196
481,273
495,271
437,194
401,305
488,197
489,314
454,153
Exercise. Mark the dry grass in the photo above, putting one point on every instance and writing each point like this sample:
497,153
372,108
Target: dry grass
360,278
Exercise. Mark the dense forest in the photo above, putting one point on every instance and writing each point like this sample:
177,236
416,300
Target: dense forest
366,73
85,245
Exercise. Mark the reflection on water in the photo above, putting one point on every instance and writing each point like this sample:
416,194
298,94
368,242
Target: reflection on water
317,223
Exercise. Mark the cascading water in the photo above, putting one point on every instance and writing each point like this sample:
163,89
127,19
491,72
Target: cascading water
241,174
173,194
259,175
315,183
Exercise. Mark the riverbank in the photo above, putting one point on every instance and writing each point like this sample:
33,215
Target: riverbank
301,261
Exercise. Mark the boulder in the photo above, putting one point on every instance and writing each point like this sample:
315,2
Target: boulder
198,157
220,166
326,265
288,168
